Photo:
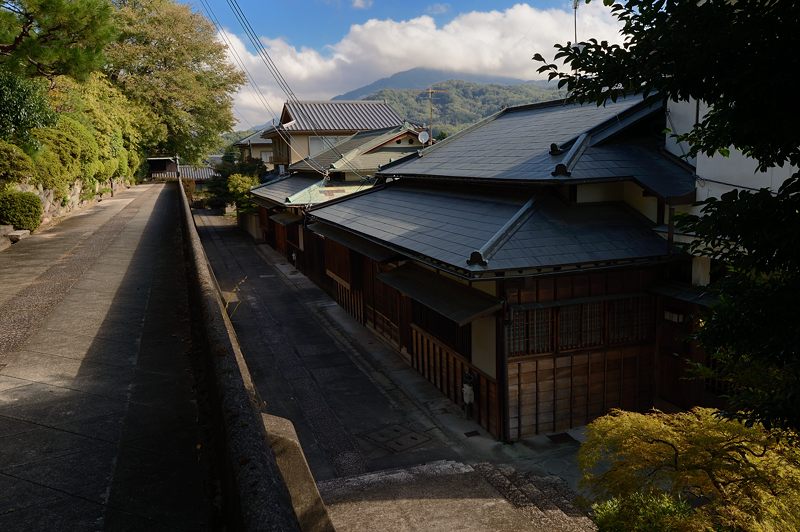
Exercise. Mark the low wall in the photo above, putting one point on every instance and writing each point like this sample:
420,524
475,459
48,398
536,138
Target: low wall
54,206
254,494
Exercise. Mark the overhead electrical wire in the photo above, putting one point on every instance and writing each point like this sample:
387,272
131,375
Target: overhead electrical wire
285,135
281,81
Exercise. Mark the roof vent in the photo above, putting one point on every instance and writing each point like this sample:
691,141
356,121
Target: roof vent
555,150
561,170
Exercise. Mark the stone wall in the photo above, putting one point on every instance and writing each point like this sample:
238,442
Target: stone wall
55,207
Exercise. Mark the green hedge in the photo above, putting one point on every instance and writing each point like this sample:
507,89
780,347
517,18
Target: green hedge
23,210
15,165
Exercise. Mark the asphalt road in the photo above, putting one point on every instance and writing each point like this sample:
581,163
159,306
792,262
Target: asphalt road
349,419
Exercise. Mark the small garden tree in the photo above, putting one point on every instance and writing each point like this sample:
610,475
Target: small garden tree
736,477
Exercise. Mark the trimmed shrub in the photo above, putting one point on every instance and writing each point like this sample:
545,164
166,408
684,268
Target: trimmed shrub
23,210
15,165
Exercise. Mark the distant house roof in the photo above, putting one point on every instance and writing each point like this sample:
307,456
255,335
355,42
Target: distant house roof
254,138
198,173
277,192
482,230
323,191
515,145
356,152
333,116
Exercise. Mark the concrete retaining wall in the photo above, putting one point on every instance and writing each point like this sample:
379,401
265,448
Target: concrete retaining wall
254,494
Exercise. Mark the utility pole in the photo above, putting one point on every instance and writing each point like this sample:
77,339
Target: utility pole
430,91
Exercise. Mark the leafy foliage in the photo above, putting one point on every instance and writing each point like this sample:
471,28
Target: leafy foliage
734,55
239,186
738,58
53,37
753,331
23,106
462,103
15,165
643,511
733,475
23,210
168,61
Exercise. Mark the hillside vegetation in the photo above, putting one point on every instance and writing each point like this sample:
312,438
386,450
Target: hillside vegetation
462,103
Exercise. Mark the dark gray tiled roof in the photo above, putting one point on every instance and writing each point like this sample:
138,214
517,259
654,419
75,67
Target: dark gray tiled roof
255,138
651,169
277,191
340,116
514,145
447,226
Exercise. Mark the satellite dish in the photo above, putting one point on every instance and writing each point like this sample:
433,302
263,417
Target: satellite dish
423,137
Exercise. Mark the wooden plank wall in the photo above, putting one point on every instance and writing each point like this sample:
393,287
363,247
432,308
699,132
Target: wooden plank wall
445,368
554,393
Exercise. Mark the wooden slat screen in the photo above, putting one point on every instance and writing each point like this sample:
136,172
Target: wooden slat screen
444,368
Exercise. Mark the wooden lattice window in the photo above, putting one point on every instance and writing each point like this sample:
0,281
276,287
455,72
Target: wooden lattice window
569,327
540,330
630,320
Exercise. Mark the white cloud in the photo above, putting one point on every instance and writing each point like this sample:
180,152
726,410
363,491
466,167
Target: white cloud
362,4
437,9
492,42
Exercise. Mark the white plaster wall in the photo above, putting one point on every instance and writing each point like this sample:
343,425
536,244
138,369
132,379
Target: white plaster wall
647,205
601,192
680,119
484,345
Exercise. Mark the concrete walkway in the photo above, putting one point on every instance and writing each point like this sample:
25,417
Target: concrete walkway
98,416
389,452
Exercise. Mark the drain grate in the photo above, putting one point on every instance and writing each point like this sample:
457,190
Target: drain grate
561,437
397,438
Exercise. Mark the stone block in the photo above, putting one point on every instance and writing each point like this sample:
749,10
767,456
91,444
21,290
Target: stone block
4,243
308,506
5,229
19,234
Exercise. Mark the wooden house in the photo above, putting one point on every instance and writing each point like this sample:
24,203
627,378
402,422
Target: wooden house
529,256
346,168
255,147
308,128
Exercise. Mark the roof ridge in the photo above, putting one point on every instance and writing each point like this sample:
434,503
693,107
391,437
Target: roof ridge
487,251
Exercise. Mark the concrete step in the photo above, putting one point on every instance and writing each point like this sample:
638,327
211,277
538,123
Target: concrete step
545,499
439,496
19,234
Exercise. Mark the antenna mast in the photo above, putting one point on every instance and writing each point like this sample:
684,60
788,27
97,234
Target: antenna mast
575,19
430,91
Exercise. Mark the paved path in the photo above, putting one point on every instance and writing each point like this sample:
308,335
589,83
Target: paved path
98,420
306,370
356,404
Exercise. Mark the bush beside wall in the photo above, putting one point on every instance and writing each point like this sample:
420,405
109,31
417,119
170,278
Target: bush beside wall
23,210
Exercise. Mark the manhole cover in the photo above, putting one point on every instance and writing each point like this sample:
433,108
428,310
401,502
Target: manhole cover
397,438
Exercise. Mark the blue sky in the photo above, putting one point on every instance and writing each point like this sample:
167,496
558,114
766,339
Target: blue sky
328,47
316,23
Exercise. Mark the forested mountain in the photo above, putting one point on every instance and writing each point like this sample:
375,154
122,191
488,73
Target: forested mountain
421,78
461,103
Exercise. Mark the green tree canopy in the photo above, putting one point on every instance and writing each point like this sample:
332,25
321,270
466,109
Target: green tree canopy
736,477
169,61
23,106
52,37
740,58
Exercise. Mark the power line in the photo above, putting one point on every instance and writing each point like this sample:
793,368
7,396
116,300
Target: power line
281,81
283,134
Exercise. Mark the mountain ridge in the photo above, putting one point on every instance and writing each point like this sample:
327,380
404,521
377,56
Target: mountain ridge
421,78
